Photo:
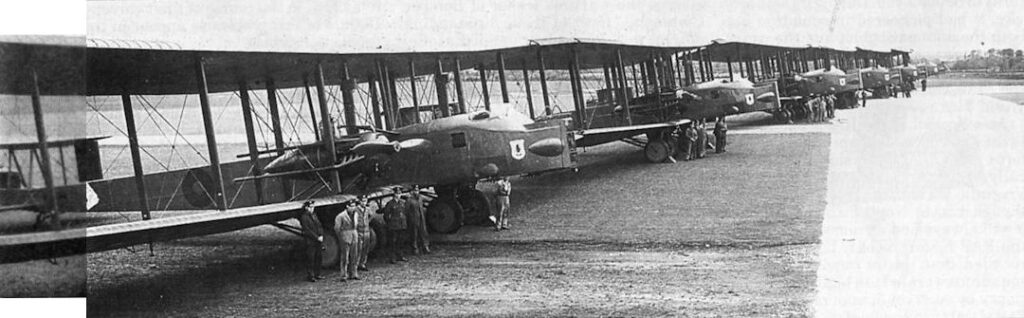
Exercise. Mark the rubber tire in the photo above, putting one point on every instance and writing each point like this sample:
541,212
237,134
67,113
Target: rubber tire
330,252
673,146
444,216
476,207
657,151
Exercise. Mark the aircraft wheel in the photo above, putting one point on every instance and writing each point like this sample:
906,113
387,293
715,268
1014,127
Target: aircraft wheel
476,208
330,253
657,151
673,146
444,216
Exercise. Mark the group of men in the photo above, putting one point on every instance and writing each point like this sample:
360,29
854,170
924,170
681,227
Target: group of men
403,216
695,139
820,109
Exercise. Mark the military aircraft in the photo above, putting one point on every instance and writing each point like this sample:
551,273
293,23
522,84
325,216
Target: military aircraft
449,154
400,142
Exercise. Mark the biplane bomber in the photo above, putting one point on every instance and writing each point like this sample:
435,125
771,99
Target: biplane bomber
426,119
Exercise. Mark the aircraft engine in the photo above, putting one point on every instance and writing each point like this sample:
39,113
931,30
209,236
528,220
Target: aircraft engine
766,97
487,170
550,147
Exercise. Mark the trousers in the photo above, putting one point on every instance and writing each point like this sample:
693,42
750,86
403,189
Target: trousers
418,231
348,252
365,240
394,244
503,205
314,257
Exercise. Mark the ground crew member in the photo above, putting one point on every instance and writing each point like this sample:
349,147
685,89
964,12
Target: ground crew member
394,216
313,235
504,189
363,229
417,222
345,225
820,111
689,139
830,106
924,84
702,139
720,129
906,89
696,140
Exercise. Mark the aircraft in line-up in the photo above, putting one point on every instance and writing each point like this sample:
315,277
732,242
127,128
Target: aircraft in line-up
408,135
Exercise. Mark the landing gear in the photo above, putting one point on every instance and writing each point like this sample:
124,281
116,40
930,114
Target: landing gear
657,150
444,215
476,208
330,252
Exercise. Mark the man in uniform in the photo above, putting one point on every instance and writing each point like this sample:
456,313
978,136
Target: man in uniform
504,189
313,233
720,129
394,217
830,106
363,229
924,84
689,138
417,222
346,224
702,139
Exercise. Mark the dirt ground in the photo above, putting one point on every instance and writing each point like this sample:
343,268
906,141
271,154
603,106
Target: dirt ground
622,237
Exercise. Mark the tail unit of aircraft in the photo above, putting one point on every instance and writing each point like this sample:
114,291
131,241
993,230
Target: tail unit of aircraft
424,119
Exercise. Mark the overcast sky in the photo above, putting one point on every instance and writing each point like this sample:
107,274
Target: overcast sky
930,28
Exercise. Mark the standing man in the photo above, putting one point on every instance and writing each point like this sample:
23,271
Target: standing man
924,84
720,129
313,233
345,225
417,222
363,229
504,189
830,106
394,217
689,138
702,139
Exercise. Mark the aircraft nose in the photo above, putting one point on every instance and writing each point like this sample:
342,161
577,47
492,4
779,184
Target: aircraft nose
549,147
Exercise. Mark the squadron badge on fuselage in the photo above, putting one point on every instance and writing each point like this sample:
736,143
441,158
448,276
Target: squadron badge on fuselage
518,150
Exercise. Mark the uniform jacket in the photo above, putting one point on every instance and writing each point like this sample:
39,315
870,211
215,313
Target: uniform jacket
345,226
311,226
720,127
413,211
504,187
363,214
394,215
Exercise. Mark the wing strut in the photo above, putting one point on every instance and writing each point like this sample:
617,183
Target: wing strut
625,90
211,139
328,126
133,143
250,138
44,151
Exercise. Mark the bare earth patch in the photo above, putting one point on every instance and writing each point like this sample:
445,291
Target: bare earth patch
732,235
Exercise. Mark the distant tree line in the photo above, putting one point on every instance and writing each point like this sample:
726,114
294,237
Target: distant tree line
1004,60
